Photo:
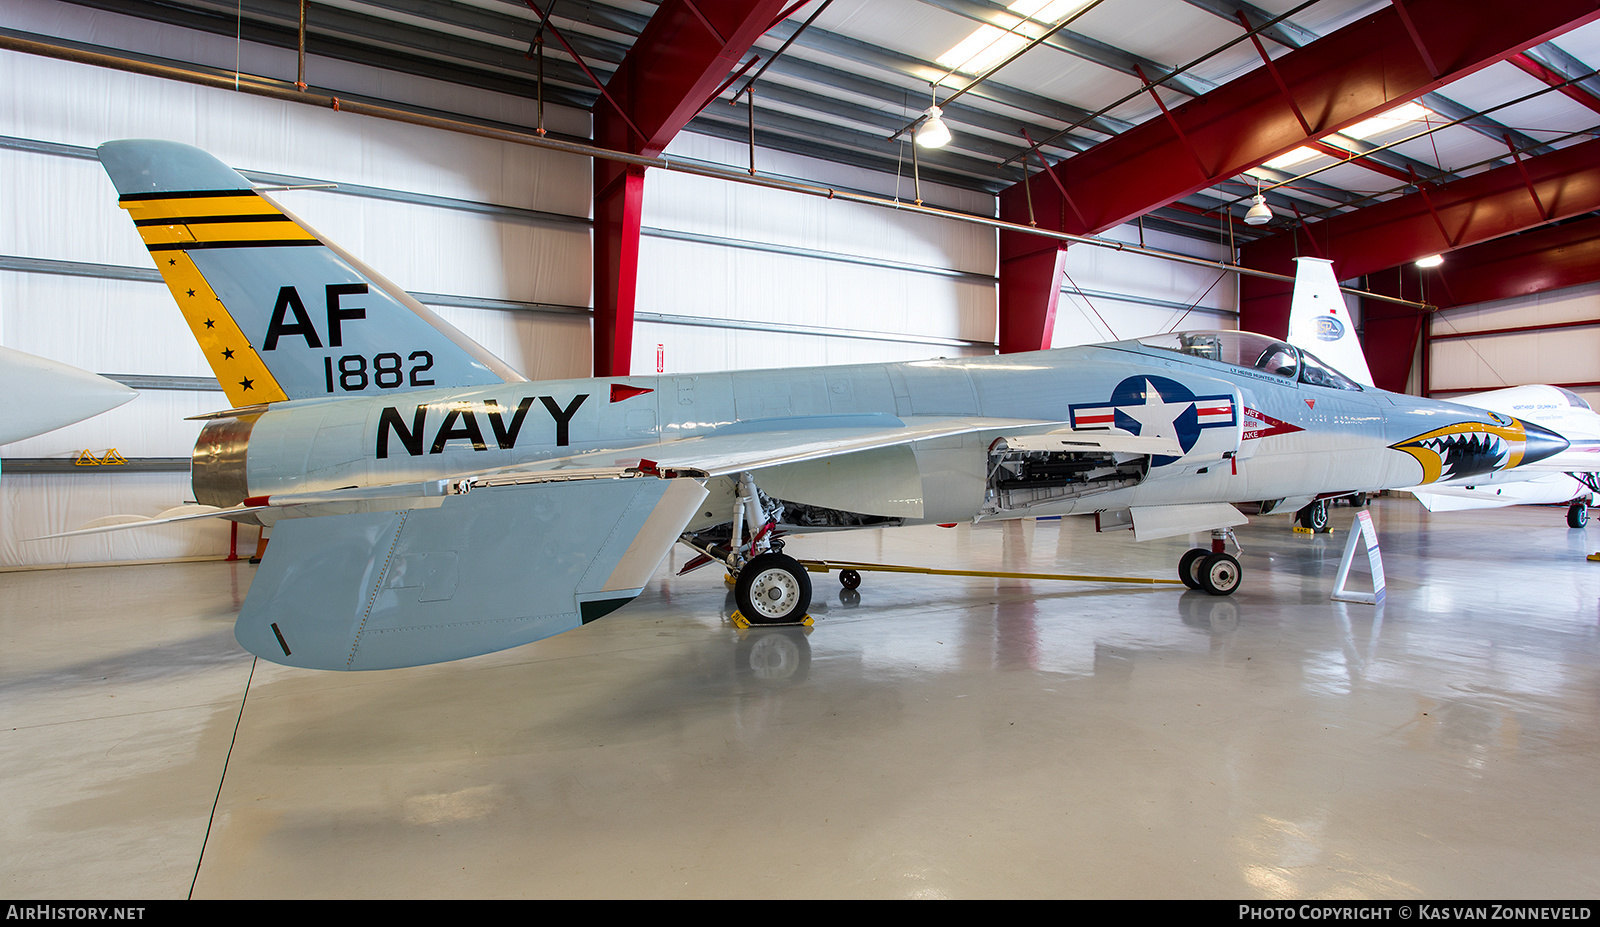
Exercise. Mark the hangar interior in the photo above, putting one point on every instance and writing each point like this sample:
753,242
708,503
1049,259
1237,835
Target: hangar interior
938,738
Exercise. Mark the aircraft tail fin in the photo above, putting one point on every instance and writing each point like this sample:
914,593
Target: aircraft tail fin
1320,323
280,312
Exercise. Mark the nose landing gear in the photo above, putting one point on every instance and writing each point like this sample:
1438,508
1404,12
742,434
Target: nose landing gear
1213,571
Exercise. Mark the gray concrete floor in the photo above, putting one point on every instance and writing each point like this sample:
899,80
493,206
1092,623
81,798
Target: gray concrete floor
942,738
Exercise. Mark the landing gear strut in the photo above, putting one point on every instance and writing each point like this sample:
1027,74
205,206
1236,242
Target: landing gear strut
770,587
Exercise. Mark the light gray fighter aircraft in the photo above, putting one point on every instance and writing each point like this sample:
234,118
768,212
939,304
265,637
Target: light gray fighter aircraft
428,503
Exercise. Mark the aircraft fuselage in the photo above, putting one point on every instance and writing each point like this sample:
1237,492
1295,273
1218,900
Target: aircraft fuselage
1247,434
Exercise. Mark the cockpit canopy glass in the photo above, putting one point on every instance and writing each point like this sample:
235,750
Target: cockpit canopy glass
1257,352
1574,400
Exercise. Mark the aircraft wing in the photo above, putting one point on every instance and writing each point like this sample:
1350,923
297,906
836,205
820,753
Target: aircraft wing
485,570
483,562
757,445
1544,489
57,395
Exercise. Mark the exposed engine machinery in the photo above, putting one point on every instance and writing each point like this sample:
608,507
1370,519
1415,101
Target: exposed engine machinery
1020,479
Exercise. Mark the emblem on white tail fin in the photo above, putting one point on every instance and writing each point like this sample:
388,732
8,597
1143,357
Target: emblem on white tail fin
280,312
1320,323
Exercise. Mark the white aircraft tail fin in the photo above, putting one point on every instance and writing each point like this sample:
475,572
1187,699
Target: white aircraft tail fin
279,311
1320,323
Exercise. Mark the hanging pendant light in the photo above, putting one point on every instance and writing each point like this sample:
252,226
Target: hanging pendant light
933,133
1260,213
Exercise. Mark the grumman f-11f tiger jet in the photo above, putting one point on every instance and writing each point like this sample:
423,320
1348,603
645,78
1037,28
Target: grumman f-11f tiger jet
428,503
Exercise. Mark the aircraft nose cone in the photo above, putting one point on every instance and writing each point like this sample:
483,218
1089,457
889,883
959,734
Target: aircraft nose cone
1541,443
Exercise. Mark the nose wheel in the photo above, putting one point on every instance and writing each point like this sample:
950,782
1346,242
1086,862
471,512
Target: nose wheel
1213,571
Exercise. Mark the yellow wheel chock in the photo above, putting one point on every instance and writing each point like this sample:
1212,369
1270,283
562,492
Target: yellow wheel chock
743,623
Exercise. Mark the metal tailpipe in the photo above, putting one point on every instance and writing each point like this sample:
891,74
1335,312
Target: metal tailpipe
219,461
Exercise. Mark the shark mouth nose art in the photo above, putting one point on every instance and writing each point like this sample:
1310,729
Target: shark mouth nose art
1474,448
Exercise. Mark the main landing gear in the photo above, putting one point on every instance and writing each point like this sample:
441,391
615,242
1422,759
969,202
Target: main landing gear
769,586
1314,517
1211,571
772,588
1577,515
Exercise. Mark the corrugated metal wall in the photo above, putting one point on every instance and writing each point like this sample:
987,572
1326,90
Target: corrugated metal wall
1545,349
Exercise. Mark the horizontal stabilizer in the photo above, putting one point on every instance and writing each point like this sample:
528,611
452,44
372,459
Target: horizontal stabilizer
172,516
490,569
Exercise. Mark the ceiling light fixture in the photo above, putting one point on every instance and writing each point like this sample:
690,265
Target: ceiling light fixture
1432,260
933,133
1260,213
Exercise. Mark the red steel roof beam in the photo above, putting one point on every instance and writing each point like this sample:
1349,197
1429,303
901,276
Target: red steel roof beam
1517,265
679,62
1436,219
1359,71
1567,88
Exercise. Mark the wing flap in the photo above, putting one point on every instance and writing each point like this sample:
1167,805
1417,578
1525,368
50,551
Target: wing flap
486,570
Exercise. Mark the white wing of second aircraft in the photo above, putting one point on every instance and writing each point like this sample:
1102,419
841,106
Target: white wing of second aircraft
43,395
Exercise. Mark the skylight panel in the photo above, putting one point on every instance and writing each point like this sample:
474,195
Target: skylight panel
1290,158
988,45
1384,122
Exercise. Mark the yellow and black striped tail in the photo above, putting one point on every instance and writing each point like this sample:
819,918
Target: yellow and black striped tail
280,312
174,224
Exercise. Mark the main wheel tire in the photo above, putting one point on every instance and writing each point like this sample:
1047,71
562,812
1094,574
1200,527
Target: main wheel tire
1219,574
773,589
1577,515
1189,566
1314,516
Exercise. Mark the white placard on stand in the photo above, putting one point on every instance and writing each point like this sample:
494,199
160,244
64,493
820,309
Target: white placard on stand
1362,529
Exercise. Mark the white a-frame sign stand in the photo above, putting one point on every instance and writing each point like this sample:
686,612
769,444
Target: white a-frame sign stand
1367,535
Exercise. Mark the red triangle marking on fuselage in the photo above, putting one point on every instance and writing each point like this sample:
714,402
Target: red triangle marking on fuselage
621,391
